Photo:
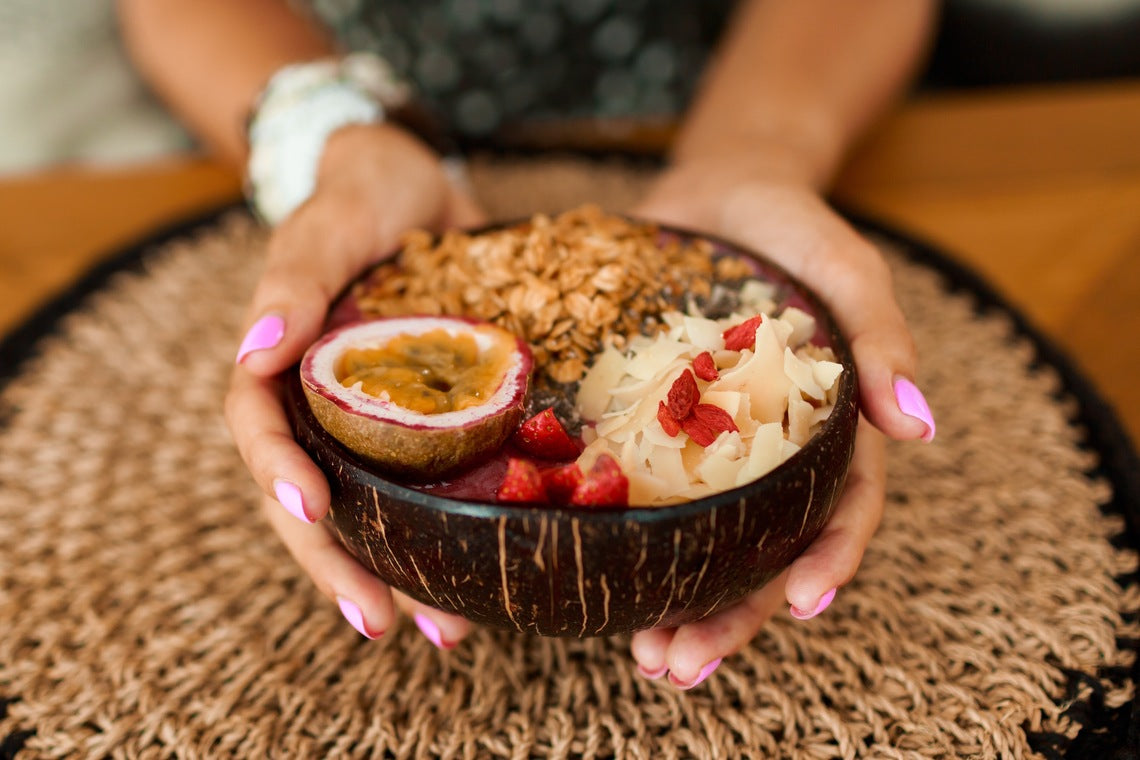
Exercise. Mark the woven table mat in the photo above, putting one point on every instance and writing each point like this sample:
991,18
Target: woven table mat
148,612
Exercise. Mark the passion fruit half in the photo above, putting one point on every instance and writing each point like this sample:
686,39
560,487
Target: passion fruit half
418,396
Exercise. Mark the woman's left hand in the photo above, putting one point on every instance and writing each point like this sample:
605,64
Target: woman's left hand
788,222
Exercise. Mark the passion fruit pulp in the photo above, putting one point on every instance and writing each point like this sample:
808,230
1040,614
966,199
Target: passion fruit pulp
419,397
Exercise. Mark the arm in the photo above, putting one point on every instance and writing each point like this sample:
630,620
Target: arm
209,59
796,82
794,85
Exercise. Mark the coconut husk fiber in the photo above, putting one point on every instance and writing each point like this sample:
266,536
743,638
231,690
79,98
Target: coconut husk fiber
147,612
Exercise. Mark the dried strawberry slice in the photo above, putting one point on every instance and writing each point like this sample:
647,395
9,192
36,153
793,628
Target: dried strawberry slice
706,423
560,482
605,485
683,395
522,483
705,367
743,335
670,424
544,437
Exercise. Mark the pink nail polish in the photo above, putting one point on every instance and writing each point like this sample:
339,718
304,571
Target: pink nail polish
913,404
824,601
429,629
652,675
706,671
290,497
355,616
266,332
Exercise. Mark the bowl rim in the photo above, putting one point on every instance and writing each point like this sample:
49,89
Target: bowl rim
847,395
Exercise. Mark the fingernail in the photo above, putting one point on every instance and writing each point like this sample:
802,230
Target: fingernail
429,629
290,497
913,404
706,671
266,332
824,601
355,616
652,675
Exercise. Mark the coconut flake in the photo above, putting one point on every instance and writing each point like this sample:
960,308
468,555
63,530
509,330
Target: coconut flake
720,471
799,418
654,435
704,334
649,362
764,454
760,375
803,325
826,373
800,373
645,487
594,390
667,465
758,293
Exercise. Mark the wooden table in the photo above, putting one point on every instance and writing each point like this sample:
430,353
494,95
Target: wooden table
1038,189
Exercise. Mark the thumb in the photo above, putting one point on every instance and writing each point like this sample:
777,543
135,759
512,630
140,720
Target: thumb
312,256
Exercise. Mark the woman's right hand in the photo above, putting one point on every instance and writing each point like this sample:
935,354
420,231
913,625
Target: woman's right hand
374,183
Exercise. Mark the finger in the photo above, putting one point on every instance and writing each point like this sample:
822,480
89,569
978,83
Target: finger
443,630
363,599
802,234
649,649
880,340
698,648
833,558
265,441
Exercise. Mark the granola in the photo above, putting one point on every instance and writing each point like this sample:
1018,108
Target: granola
570,285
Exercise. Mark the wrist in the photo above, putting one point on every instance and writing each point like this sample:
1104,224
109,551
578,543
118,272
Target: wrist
705,184
359,153
715,191
354,146
300,109
798,151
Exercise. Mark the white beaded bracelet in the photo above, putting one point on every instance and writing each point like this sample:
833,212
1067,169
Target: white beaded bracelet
300,107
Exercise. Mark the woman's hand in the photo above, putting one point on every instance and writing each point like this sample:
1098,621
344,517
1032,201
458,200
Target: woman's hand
374,183
787,221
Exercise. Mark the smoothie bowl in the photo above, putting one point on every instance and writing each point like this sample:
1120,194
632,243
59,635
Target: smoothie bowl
577,426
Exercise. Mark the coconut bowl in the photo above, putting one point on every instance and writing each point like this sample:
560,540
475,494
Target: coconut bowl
589,571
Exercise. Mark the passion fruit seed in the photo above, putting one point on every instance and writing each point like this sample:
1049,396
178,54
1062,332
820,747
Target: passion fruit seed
431,373
418,396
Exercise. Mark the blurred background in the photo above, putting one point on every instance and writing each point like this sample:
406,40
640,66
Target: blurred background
1018,152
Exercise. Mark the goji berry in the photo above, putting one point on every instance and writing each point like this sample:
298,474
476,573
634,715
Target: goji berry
743,335
683,395
670,424
705,367
706,422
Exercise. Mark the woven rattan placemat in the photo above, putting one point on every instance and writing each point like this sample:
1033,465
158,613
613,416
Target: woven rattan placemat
146,611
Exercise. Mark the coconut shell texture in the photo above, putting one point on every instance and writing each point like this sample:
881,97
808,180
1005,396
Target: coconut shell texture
567,572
